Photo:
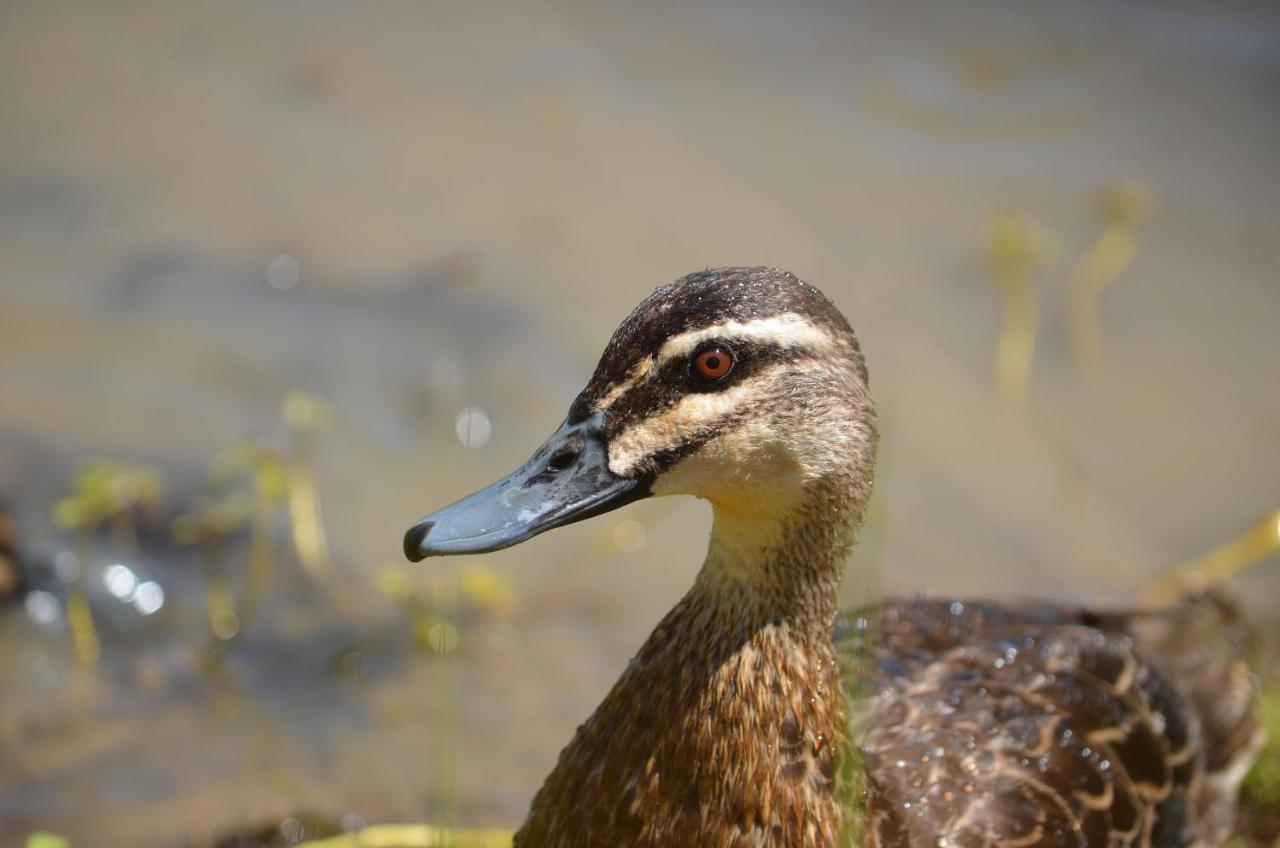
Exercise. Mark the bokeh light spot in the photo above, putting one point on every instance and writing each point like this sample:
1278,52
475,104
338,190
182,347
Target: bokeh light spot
283,272
472,427
224,623
442,637
120,581
66,566
148,598
628,536
42,608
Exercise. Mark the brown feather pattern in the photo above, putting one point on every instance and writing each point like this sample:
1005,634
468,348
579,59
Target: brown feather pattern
1005,725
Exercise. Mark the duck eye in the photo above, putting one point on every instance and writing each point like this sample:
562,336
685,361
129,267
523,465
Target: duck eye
713,363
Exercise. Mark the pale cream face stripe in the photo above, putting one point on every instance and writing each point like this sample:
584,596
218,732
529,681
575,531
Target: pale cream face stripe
787,330
676,425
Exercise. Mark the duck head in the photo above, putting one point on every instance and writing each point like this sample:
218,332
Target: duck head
743,386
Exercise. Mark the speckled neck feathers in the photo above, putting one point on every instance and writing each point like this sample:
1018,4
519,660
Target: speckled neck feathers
723,731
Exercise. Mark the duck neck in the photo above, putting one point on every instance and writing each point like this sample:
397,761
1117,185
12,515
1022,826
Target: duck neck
783,566
724,728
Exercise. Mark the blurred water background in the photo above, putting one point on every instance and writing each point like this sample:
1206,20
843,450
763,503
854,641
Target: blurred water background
304,271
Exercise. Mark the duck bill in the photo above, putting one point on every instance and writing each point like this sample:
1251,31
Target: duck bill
566,480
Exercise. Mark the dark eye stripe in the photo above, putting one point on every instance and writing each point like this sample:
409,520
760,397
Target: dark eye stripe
673,381
664,458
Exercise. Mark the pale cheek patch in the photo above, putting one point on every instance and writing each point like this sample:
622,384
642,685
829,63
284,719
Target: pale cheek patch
692,417
745,469
786,331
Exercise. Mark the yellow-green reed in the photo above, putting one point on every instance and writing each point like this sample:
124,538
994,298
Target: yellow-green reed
1015,248
1124,205
103,492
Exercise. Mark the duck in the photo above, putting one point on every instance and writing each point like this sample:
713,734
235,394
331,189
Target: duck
757,714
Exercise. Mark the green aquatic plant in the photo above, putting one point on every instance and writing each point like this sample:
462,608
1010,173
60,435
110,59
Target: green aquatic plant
856,643
228,510
1015,249
1219,564
1260,793
247,485
44,839
109,492
1258,824
304,414
1124,205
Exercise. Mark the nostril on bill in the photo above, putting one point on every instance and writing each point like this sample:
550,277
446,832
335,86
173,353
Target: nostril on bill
413,541
562,459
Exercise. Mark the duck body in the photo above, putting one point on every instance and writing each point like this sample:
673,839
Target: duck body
977,724
1006,724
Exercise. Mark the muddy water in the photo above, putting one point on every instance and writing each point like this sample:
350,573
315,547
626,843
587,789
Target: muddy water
411,212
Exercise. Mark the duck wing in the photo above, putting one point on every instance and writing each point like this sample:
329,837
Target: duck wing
990,724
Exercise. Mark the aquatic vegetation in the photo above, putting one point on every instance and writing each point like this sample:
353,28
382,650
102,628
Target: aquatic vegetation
855,639
1221,563
110,492
225,511
432,605
1259,825
247,485
1259,800
1124,205
1015,248
44,839
304,414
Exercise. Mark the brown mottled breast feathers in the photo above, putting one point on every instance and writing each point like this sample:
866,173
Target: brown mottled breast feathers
993,725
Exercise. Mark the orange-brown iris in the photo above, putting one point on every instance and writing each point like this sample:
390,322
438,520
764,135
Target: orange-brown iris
713,363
